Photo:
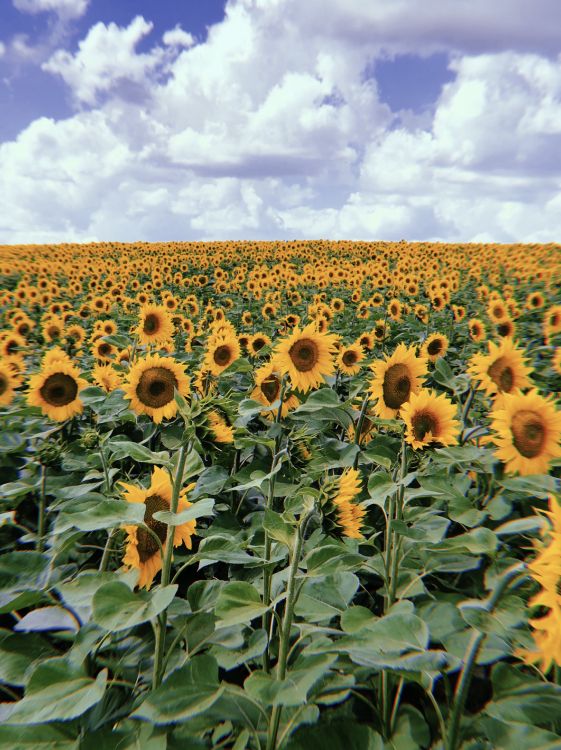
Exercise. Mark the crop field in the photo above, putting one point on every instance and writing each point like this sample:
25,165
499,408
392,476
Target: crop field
265,495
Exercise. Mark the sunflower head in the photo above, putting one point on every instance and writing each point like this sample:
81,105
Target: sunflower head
306,356
342,510
435,346
527,432
502,370
430,418
55,390
151,386
395,378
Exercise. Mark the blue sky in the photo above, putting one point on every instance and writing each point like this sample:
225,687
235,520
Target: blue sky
201,119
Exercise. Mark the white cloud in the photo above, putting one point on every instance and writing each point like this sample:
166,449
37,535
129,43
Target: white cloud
272,128
105,59
178,37
66,9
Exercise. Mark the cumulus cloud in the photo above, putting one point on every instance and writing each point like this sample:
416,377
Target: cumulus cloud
66,9
185,140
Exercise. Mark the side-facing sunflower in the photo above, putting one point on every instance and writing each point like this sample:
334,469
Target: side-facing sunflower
155,325
257,342
306,356
8,383
435,346
106,377
395,378
55,390
348,513
476,329
528,432
142,551
349,359
502,370
268,383
430,418
150,386
219,428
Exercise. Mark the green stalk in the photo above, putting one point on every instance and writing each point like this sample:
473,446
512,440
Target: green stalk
41,521
359,425
465,412
398,515
267,573
470,659
107,486
107,550
161,622
291,598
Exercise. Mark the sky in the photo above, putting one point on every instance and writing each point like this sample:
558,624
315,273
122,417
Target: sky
163,120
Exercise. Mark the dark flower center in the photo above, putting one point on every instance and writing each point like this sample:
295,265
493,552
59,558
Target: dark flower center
396,386
270,388
435,347
304,354
156,386
528,433
151,323
146,544
501,374
59,389
222,355
349,358
423,423
3,384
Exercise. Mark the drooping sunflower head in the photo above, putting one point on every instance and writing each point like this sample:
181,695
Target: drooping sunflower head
106,377
342,510
143,550
395,378
151,386
55,390
306,356
502,370
430,418
219,428
435,346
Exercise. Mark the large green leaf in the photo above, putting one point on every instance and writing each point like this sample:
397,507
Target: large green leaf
188,691
294,689
116,607
237,602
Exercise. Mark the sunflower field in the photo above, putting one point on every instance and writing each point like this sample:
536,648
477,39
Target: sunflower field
293,496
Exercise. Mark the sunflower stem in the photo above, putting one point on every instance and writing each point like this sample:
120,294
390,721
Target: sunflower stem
359,425
284,646
465,412
107,485
161,622
470,657
267,573
41,521
107,550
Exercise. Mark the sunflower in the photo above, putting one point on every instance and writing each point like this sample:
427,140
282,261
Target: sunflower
502,370
8,383
380,330
528,432
257,342
11,344
268,382
348,513
395,309
306,356
221,352
55,390
476,329
142,550
221,431
349,359
395,378
103,350
106,377
155,325
435,346
497,311
151,386
506,329
430,418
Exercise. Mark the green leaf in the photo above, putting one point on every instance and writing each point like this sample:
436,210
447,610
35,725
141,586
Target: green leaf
231,658
18,653
116,607
345,734
332,558
57,692
237,602
47,618
326,597
42,737
197,510
294,689
477,541
22,572
530,525
278,529
11,442
187,692
126,449
520,697
103,513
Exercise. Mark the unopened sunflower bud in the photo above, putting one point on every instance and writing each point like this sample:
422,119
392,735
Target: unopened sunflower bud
90,439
